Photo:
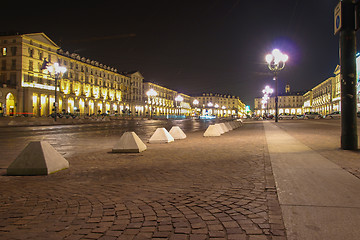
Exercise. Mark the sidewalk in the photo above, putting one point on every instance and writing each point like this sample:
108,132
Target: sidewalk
319,200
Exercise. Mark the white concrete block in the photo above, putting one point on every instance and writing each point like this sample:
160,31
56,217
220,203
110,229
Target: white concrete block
161,135
212,131
129,143
227,124
220,128
224,127
37,158
233,125
177,133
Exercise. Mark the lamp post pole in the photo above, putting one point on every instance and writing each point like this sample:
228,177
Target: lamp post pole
151,94
276,62
178,100
57,70
347,46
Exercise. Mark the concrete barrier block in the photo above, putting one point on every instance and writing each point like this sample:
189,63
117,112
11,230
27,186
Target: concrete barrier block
37,158
177,133
129,143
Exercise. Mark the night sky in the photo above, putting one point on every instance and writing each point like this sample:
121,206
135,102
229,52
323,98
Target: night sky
195,46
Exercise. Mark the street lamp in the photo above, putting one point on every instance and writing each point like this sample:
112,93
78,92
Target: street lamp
276,62
179,98
57,71
196,102
151,94
267,91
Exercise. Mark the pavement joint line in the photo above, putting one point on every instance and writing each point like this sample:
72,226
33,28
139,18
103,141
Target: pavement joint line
320,206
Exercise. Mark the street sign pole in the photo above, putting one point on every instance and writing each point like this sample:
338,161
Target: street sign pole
347,46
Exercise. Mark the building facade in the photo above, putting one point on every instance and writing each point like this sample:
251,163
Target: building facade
288,102
325,97
88,87
209,104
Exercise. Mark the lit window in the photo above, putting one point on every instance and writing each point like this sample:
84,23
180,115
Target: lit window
4,51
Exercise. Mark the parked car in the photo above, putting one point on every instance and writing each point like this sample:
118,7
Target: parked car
312,115
299,116
333,115
286,116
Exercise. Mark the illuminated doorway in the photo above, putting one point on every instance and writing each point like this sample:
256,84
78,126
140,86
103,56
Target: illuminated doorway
10,104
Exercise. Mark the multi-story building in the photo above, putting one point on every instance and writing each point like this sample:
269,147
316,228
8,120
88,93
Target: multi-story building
133,93
219,105
324,98
288,102
165,102
87,87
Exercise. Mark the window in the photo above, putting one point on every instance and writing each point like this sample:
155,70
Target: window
4,51
31,52
13,51
31,65
3,65
13,64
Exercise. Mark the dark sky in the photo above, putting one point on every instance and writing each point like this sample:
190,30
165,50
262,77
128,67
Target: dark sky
192,46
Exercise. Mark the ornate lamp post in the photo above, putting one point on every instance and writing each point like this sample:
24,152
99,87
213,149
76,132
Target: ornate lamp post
56,70
178,100
267,91
196,102
276,62
151,94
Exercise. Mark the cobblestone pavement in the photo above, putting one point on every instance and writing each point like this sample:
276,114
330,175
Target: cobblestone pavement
193,189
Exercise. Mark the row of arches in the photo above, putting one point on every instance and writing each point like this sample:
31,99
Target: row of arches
43,105
8,107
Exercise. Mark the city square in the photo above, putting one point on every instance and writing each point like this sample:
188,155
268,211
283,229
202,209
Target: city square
180,120
196,188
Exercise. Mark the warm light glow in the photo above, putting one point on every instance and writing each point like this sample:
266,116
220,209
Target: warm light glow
56,68
151,93
285,58
196,102
179,98
276,57
269,58
268,90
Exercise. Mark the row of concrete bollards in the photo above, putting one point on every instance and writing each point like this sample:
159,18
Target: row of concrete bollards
217,129
40,158
130,142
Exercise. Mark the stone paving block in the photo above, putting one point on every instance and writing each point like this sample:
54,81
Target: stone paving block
177,190
237,237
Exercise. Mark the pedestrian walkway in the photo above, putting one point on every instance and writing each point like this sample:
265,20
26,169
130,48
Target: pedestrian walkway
319,200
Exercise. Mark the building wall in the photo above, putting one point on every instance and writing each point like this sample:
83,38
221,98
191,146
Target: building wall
220,105
291,103
87,87
325,97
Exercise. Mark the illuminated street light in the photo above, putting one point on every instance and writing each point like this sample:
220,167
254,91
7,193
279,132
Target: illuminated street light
151,93
267,91
276,62
178,100
57,71
195,102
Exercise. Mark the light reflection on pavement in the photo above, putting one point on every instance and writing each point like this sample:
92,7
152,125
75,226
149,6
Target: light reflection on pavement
84,138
